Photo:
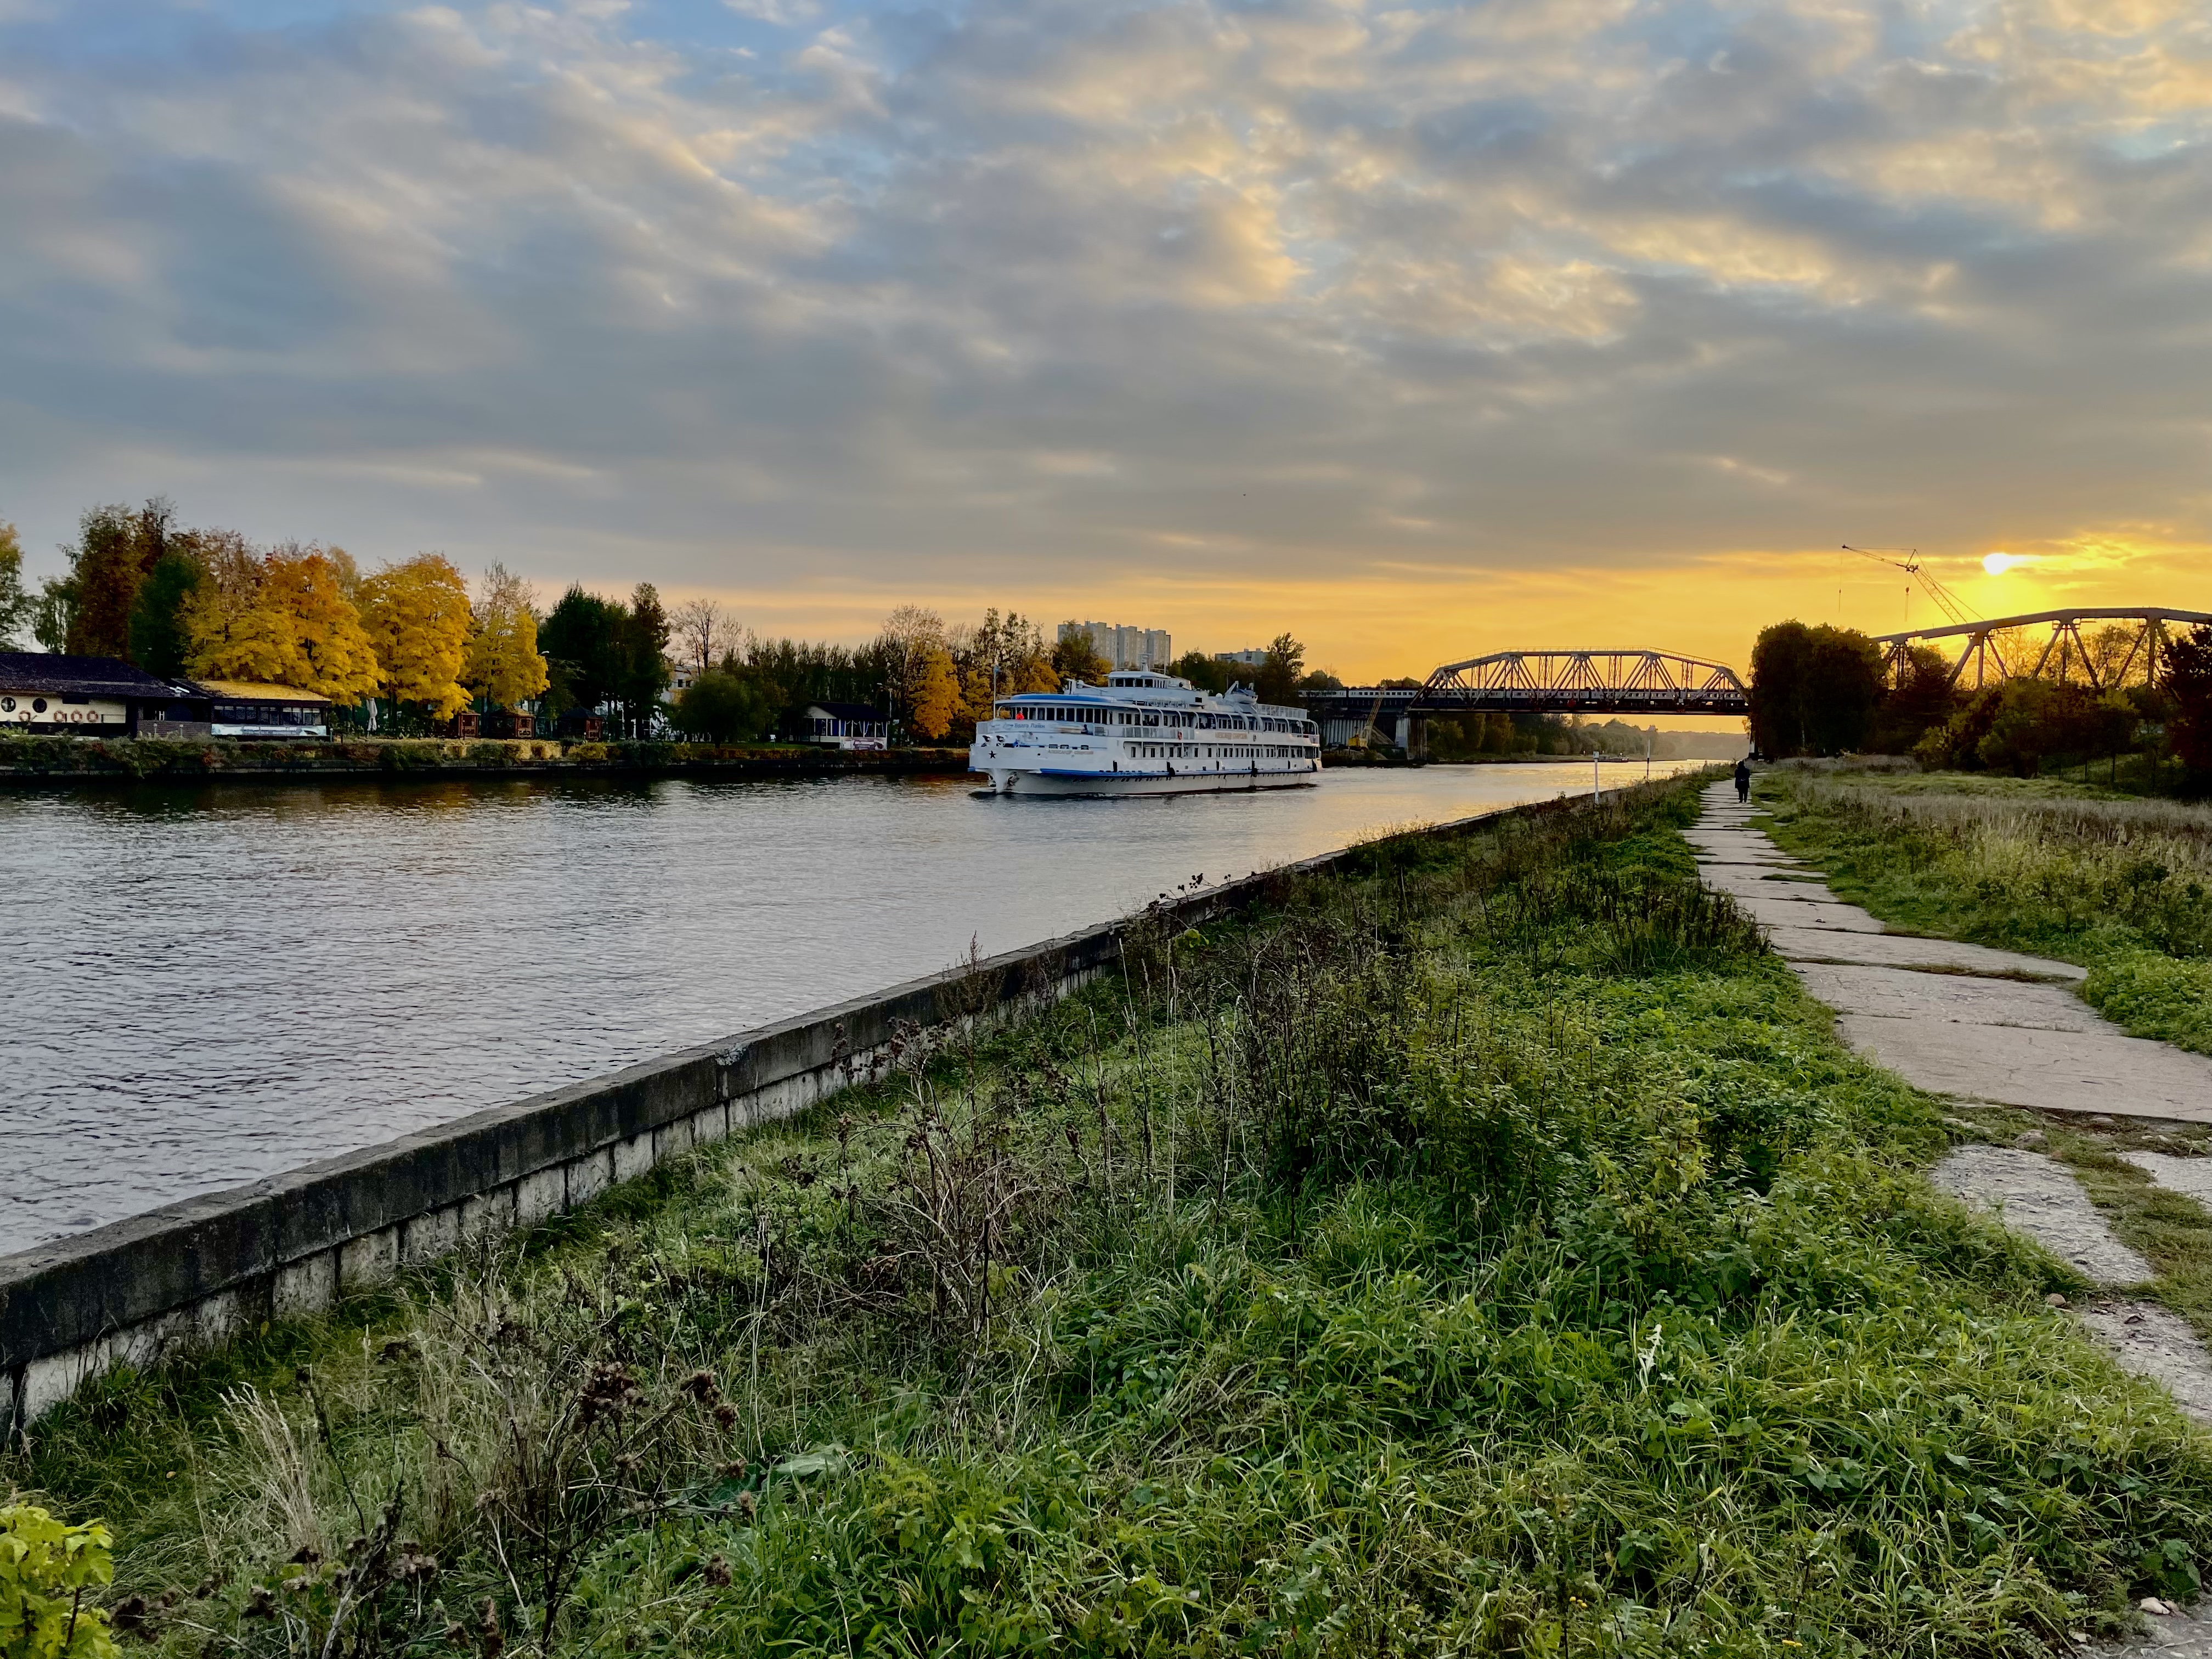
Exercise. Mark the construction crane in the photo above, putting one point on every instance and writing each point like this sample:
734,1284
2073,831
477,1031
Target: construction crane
1945,601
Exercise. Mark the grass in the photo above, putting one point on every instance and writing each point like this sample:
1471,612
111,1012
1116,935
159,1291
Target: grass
2119,885
1490,1251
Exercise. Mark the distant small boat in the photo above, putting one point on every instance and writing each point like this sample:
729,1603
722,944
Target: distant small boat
1143,733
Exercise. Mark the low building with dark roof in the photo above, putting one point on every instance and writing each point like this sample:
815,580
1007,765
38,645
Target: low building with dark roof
838,725
48,692
254,708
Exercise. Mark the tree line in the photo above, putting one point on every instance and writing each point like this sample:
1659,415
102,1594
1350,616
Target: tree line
932,679
1828,690
409,644
209,604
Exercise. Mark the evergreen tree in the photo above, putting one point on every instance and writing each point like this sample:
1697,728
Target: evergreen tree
582,640
161,616
644,656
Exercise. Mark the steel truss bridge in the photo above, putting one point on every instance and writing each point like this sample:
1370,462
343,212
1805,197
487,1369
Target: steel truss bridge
2126,649
1622,682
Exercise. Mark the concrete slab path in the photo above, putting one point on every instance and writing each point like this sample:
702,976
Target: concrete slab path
1992,1027
2039,1196
1905,993
1964,1020
1934,956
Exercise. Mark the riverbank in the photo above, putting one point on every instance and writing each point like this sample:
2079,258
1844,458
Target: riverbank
1488,1248
2119,885
44,760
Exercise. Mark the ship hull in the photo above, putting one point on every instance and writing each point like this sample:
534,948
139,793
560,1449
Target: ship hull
1023,782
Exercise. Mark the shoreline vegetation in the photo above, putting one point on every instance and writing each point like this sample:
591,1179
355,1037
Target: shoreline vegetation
1490,1248
168,759
41,759
2118,883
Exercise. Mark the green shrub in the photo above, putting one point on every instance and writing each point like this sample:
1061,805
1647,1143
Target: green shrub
45,1568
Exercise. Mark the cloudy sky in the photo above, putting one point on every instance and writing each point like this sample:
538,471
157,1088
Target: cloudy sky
1422,330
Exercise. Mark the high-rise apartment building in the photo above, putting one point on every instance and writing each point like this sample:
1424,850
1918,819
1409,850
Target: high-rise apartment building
1123,646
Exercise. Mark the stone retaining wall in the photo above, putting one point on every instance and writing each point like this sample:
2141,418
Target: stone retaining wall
195,1273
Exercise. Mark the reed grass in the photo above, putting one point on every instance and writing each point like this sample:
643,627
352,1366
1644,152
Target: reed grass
1490,1250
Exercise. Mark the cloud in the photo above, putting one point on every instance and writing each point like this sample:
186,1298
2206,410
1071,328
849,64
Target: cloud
1015,297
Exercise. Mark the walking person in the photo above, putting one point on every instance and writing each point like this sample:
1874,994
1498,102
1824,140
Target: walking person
1743,781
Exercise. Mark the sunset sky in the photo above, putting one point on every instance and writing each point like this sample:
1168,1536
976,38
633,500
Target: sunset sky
1422,330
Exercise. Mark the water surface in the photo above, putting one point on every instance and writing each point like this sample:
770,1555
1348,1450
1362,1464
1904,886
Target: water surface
211,984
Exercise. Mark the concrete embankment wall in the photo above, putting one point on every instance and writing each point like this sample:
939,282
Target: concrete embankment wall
197,1272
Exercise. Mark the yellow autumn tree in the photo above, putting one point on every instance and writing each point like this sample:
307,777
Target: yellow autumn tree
283,617
936,693
503,660
417,617
230,635
329,653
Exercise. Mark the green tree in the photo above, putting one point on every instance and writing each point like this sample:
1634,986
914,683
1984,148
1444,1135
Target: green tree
115,549
2189,685
17,603
161,616
1813,690
1202,672
795,671
1076,659
1277,681
644,655
582,640
725,705
2034,720
52,612
1920,699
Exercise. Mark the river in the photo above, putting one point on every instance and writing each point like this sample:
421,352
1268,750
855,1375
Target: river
211,985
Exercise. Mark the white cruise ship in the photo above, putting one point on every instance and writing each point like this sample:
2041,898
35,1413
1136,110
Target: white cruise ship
1143,733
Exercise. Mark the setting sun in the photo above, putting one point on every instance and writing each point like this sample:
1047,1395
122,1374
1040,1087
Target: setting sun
1997,563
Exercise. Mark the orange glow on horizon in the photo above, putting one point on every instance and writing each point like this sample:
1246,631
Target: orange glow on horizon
1396,620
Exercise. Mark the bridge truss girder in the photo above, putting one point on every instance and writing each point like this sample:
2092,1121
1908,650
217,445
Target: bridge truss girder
2066,656
1621,682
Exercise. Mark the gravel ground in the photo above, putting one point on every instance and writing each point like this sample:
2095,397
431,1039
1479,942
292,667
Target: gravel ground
2039,1196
